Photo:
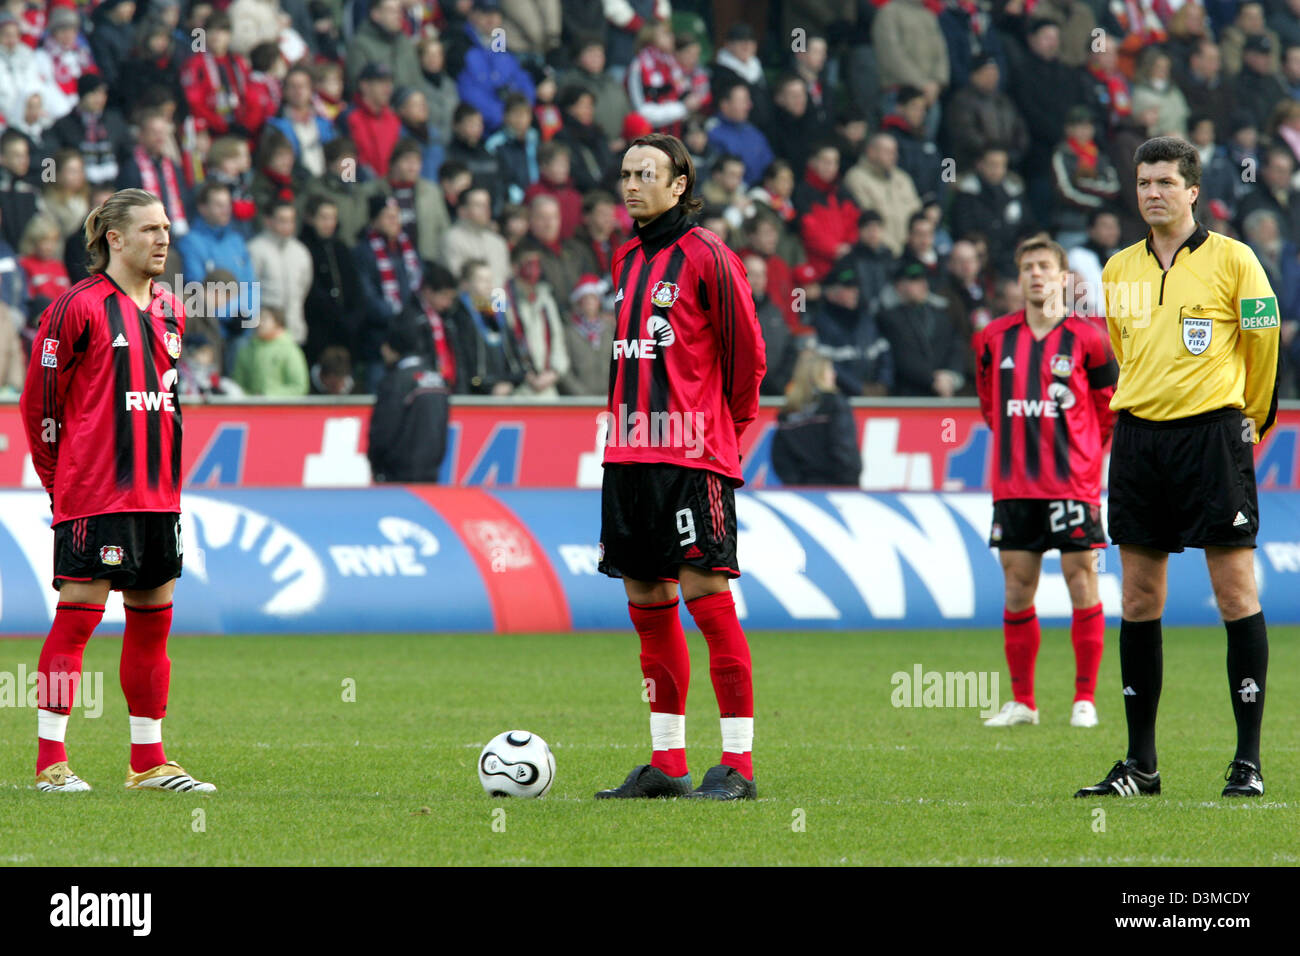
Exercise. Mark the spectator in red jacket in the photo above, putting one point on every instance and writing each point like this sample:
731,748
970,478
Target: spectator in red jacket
828,218
553,164
763,235
371,122
41,258
263,99
216,81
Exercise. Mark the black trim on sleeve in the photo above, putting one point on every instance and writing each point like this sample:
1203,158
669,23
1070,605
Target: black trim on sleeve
1271,419
1104,376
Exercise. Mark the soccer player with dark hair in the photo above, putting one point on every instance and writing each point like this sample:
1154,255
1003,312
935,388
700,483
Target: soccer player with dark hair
688,360
1195,327
104,424
1045,379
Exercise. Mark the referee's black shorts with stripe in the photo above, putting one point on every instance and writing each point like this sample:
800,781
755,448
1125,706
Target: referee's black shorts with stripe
656,517
1184,483
133,550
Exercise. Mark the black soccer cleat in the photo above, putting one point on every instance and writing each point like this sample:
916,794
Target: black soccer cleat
1124,780
1243,780
645,782
725,783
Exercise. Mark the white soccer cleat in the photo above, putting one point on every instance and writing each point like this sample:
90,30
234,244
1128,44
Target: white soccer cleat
167,776
57,778
1084,714
1012,712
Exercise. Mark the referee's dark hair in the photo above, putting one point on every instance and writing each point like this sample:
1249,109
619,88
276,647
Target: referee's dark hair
1172,149
679,159
113,213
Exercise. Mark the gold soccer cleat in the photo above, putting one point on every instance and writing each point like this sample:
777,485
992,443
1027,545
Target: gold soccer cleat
57,778
167,776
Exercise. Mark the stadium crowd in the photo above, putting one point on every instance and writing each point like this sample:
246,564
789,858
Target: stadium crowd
335,169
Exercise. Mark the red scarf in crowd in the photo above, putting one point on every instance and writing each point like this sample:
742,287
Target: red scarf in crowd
1117,88
388,284
782,207
327,107
1086,153
69,65
442,347
283,184
522,337
549,120
228,80
1146,19
272,86
168,191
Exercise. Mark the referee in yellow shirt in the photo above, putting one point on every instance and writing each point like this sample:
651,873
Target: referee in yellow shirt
1194,326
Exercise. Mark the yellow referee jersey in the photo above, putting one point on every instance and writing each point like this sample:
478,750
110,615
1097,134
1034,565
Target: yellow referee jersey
1199,336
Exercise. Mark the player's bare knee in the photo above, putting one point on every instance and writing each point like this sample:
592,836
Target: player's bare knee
1082,586
1142,600
1237,604
1019,594
650,592
1014,604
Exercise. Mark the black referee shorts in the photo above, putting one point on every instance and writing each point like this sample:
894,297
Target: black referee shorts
133,550
1185,483
655,518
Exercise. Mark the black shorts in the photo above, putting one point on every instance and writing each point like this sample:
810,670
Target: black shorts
655,518
1186,483
1041,524
133,550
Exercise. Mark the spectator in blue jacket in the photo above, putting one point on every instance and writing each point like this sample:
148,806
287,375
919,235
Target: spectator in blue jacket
305,129
214,243
736,135
515,147
412,108
490,71
848,335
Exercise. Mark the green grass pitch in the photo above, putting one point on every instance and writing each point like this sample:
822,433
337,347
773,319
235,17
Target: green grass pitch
306,777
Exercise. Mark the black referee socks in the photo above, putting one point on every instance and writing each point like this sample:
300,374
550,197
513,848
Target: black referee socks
1247,673
1141,668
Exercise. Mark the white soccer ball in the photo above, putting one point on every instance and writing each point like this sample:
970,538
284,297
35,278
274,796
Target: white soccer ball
516,764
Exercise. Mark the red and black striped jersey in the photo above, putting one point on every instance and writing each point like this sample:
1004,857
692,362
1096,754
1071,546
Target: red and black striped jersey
100,403
688,352
1048,403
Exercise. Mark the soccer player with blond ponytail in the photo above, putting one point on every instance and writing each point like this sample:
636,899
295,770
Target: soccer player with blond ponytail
103,419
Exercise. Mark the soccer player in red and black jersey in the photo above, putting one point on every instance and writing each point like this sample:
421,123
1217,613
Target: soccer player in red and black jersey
1045,380
683,386
104,424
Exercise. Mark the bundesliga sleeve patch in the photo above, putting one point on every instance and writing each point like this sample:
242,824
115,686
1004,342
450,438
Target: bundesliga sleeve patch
50,353
1260,313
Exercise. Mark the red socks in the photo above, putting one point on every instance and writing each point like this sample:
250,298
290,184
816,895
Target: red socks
146,674
732,674
1087,634
666,666
1021,637
59,668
